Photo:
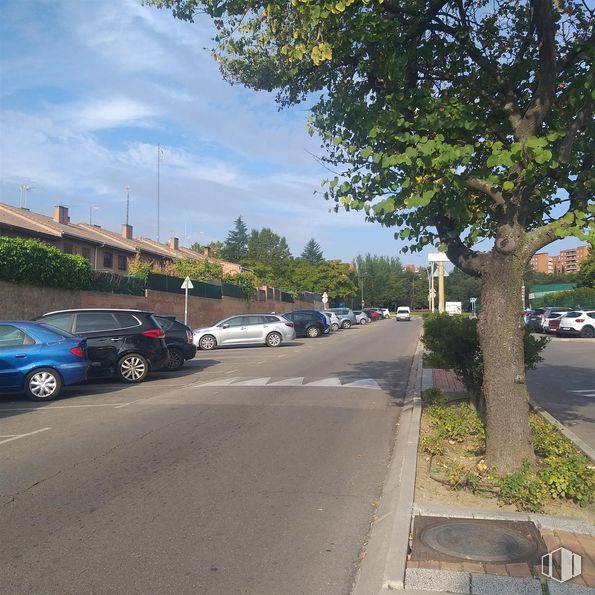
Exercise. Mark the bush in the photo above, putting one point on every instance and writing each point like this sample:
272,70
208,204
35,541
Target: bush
523,489
433,395
452,342
35,263
547,440
456,422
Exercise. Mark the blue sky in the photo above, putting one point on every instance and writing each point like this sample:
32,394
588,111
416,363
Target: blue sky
88,88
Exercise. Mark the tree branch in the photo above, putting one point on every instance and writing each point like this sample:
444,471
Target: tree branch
583,117
486,188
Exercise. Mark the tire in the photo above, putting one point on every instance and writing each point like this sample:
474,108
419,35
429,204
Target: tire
313,332
346,324
335,326
363,321
587,332
207,342
273,340
132,368
175,360
43,384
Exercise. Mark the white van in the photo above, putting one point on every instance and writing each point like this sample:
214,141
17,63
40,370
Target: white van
403,313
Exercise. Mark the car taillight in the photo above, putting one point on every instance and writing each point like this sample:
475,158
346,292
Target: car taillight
154,333
189,337
77,352
289,324
580,320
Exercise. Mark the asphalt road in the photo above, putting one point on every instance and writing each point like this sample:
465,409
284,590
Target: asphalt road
252,470
564,384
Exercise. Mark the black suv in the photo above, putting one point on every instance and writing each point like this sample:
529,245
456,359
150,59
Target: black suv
178,338
123,343
306,324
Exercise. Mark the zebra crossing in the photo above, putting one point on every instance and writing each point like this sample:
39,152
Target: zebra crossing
332,382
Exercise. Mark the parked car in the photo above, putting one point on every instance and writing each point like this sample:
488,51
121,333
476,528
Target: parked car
373,314
248,329
552,314
39,359
403,313
321,316
385,312
578,323
178,338
345,315
333,320
122,343
306,324
535,320
361,317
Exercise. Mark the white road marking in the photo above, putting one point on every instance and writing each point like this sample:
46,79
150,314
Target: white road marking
325,382
254,382
126,404
61,407
219,382
364,383
18,436
260,362
288,382
232,371
585,393
283,355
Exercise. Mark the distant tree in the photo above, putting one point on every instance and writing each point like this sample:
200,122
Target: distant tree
586,276
197,247
235,247
200,270
381,280
215,249
312,252
460,286
267,247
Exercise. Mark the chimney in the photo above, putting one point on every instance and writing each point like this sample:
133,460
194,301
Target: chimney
127,231
206,252
61,215
173,243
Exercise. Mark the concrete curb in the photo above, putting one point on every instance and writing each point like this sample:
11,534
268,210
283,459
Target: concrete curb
542,521
386,555
564,430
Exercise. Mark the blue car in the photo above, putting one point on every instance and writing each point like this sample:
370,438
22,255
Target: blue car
39,359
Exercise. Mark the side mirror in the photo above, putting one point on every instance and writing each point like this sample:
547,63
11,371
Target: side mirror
226,325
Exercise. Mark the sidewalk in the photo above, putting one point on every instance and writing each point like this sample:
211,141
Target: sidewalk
395,561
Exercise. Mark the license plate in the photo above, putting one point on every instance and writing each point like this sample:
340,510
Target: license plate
565,328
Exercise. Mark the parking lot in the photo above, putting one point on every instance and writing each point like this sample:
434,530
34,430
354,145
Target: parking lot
246,465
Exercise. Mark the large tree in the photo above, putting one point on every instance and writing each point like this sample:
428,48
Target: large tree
235,247
267,247
312,252
455,120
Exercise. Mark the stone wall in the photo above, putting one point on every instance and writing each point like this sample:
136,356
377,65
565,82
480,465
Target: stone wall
24,302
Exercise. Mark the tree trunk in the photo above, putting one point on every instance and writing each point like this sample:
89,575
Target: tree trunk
501,331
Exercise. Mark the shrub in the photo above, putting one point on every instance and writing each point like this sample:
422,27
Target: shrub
456,422
247,280
433,395
547,440
37,263
523,489
570,477
432,444
452,342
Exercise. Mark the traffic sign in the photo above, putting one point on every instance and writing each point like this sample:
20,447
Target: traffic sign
324,298
187,284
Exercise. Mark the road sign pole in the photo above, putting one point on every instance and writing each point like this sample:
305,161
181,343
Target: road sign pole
186,286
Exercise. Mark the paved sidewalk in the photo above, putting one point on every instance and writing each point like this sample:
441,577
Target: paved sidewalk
447,381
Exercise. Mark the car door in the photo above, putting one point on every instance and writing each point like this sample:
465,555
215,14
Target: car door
232,331
104,342
257,328
16,352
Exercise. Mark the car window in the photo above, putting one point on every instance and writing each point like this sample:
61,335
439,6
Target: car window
289,315
271,319
572,315
235,321
164,323
591,314
61,321
126,320
252,320
11,336
94,322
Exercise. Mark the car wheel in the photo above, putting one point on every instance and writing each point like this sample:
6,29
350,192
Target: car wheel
346,324
273,340
207,342
335,326
132,368
175,360
313,332
362,321
587,332
43,384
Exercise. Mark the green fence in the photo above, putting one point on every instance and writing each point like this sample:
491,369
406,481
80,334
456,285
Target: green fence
113,283
230,290
286,297
158,282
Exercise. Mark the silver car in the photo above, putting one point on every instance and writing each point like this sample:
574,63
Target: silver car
248,329
361,317
345,315
333,320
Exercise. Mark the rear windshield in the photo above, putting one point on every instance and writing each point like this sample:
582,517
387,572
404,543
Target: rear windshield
572,315
403,310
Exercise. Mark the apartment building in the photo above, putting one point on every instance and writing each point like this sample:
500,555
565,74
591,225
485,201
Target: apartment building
568,261
104,249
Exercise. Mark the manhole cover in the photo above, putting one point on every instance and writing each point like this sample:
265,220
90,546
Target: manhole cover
478,540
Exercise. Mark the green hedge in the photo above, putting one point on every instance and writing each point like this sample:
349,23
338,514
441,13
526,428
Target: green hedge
581,298
33,262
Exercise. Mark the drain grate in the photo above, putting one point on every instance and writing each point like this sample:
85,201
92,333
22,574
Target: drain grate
454,540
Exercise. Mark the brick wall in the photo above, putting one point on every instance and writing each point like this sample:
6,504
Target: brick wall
24,302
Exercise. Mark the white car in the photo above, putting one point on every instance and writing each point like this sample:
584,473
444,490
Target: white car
385,312
333,320
578,323
403,313
260,329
